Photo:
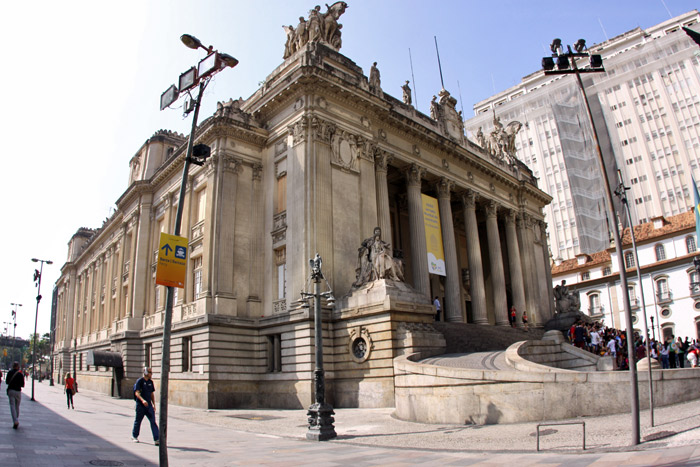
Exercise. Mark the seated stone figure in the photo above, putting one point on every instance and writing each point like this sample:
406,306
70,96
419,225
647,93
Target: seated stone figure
375,261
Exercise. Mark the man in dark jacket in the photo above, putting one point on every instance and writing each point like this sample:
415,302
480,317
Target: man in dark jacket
15,383
145,397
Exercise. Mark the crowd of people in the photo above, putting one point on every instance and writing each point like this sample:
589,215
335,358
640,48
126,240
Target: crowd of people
604,341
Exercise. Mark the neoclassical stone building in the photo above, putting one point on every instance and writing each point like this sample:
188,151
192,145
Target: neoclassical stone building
312,162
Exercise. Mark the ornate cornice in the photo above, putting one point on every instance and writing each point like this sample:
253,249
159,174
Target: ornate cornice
257,172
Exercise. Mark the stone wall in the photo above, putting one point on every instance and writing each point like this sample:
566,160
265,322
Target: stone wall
437,394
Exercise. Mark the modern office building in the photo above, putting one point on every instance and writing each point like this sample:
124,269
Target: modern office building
646,106
313,162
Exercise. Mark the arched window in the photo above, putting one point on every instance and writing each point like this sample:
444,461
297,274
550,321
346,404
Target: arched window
663,294
667,331
690,244
660,252
629,259
594,307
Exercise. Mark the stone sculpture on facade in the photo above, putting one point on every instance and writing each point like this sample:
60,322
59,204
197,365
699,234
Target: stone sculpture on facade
501,141
375,82
321,27
566,301
375,261
406,93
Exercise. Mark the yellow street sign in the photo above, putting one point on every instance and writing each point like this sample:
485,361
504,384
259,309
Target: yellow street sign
172,261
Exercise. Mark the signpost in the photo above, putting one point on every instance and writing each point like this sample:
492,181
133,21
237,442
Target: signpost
172,261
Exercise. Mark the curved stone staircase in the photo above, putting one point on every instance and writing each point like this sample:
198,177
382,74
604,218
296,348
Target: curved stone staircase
468,338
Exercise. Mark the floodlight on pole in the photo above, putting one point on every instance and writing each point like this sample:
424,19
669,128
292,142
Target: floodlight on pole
37,279
571,56
200,75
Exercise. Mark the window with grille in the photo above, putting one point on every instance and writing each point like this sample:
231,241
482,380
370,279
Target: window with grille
660,252
690,244
629,259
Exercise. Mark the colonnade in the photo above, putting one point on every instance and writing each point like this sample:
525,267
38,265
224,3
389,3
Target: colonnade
527,294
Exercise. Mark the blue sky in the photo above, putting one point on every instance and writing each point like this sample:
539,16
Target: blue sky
82,82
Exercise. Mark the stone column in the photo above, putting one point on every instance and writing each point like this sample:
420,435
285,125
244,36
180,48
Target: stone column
453,301
381,165
223,291
546,292
419,255
529,271
140,273
255,277
514,264
476,271
500,302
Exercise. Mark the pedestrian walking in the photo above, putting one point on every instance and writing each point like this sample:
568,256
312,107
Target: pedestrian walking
145,397
512,317
15,383
525,320
70,391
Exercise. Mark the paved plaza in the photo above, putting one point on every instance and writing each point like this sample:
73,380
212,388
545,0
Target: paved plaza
98,432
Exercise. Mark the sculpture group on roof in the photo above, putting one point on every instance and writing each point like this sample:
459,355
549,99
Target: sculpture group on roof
501,141
320,27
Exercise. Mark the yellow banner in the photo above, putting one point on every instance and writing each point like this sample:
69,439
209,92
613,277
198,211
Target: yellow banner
433,235
172,261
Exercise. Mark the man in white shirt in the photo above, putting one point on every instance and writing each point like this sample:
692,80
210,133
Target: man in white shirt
436,302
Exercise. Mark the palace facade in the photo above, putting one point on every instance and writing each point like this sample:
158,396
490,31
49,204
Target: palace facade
311,163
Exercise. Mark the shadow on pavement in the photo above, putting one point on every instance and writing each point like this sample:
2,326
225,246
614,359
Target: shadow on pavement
46,437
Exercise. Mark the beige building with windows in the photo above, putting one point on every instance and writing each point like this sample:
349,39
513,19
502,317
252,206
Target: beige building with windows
647,105
310,163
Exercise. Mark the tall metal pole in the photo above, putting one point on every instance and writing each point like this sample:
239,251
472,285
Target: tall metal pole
634,390
167,324
14,331
621,192
36,317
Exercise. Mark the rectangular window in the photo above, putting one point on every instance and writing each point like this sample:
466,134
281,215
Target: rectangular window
201,205
186,354
197,277
148,355
274,353
281,194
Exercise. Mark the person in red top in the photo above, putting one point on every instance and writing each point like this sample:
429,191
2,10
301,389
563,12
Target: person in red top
70,390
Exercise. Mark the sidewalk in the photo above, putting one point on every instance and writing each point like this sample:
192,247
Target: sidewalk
98,432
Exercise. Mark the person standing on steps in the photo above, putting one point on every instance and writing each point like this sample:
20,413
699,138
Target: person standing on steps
525,320
15,383
145,397
436,302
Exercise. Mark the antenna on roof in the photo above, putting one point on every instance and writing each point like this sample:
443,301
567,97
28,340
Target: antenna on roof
601,27
461,105
439,65
415,88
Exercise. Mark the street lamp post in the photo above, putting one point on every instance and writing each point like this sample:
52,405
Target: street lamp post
621,193
202,74
14,329
563,61
37,279
320,413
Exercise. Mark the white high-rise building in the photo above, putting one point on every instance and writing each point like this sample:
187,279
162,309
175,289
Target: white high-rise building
646,106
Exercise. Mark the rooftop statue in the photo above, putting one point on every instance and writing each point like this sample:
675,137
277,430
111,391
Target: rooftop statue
320,27
501,141
406,94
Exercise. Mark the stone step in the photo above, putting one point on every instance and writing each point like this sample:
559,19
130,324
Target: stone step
466,337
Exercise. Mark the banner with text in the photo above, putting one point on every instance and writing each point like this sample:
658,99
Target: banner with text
433,235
